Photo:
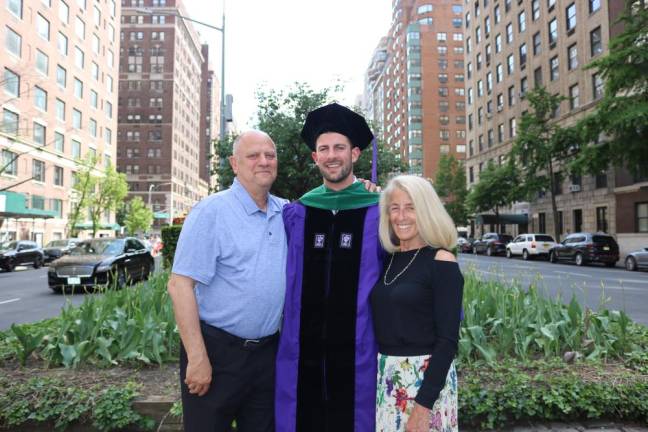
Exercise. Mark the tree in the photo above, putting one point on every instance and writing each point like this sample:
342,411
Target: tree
111,190
542,147
138,216
282,114
83,187
616,132
450,184
497,187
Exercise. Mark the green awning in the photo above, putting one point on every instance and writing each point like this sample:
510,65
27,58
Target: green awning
103,226
161,215
12,205
504,218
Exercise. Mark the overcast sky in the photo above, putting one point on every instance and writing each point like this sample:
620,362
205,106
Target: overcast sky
278,42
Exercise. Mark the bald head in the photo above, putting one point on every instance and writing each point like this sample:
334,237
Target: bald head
254,161
250,136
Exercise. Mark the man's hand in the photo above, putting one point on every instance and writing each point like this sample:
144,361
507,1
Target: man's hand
370,186
199,375
419,420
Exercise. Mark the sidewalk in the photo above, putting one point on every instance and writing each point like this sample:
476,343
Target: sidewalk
585,426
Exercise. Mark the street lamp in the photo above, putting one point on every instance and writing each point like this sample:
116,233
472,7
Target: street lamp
221,29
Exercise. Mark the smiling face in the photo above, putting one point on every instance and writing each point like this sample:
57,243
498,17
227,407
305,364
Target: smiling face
255,161
402,218
334,156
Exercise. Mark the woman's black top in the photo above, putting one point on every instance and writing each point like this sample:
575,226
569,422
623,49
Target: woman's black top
419,314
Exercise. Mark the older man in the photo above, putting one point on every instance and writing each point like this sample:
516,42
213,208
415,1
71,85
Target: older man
227,286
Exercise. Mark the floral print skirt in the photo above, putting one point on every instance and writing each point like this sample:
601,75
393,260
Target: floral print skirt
399,379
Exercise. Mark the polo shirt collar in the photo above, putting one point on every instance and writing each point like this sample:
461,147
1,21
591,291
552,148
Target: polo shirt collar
248,203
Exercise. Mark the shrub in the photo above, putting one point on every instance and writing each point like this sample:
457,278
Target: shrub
170,235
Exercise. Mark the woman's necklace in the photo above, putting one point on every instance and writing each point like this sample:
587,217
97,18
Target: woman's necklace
402,271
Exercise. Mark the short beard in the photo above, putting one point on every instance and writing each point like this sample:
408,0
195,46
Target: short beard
345,172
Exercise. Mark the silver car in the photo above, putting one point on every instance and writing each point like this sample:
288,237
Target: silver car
637,260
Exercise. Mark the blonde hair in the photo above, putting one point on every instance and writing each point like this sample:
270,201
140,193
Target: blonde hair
434,224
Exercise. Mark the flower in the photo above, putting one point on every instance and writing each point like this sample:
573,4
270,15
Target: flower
401,399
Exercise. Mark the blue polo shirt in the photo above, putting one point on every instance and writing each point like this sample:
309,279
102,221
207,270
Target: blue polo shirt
236,253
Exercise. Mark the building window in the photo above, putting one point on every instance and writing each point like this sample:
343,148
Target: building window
92,127
512,128
601,180
511,96
570,14
40,98
537,44
57,206
62,44
59,108
500,133
42,27
597,86
59,142
78,88
13,42
641,217
596,44
39,134
601,219
426,8
61,76
11,83
42,62
107,136
77,119
510,64
523,54
594,5
572,55
509,33
38,170
574,100
58,176
9,162
542,223
578,220
499,73
76,149
497,13
79,57
15,7
64,12
553,32
498,43
524,86
522,21
442,36
537,77
535,10
553,68
9,122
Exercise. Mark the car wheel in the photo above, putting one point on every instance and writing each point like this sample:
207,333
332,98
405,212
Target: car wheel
508,253
10,266
579,260
38,262
148,272
119,278
489,251
525,255
631,264
552,257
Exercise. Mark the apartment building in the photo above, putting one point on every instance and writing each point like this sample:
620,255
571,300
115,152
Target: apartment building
512,46
163,88
59,103
423,83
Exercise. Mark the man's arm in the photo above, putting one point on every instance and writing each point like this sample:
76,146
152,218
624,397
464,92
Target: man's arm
185,307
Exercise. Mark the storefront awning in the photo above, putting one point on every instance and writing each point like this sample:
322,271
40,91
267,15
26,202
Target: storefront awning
103,226
12,205
504,218
161,215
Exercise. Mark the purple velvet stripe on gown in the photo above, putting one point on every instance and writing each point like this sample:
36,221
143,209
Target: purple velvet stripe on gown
288,355
366,348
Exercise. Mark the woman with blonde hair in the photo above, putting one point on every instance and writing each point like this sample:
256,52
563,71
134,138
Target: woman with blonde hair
416,308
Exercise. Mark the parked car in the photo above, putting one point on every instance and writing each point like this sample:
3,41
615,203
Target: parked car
637,260
491,244
530,245
21,252
100,262
57,248
584,248
464,245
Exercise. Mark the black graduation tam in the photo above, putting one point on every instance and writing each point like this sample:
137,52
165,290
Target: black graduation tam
336,118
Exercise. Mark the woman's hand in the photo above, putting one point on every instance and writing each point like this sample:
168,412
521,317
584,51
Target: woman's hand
419,420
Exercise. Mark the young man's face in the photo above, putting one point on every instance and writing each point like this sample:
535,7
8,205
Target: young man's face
334,156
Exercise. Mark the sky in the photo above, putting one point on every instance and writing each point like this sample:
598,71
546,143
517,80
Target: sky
275,43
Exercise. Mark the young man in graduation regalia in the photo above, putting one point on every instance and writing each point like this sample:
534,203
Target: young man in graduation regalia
326,364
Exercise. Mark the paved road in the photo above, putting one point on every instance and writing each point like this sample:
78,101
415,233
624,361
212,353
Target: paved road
623,290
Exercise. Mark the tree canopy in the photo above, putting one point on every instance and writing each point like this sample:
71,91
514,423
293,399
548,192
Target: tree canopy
138,216
450,184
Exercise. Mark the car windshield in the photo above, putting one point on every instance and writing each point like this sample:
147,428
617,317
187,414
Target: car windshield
99,247
544,238
57,243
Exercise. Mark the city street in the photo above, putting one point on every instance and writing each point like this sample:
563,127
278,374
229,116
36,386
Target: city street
625,290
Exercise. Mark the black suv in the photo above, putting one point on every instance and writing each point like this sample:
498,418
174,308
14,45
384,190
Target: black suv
19,253
583,248
57,248
492,244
